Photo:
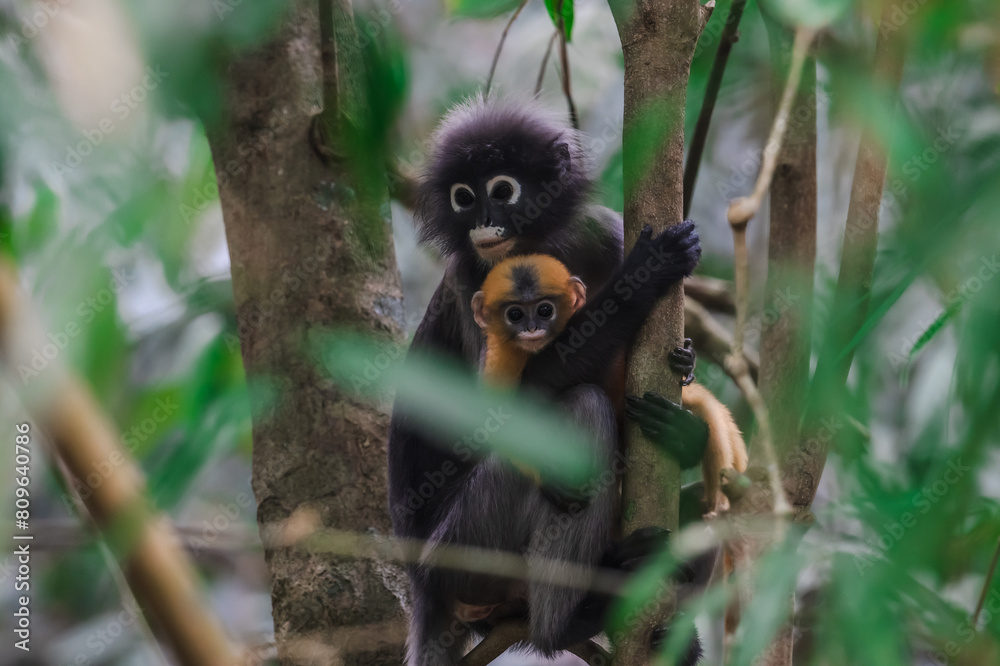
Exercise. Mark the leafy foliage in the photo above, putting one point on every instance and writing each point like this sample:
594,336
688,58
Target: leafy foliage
117,236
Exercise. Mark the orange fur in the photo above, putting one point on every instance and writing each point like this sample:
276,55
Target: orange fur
505,360
726,448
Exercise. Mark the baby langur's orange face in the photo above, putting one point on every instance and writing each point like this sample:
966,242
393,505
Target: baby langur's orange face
526,301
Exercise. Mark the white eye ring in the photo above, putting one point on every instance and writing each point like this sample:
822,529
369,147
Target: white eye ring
454,204
514,185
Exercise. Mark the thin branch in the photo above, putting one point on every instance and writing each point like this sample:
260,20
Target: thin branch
986,585
713,293
712,338
564,59
730,35
741,211
158,570
503,38
314,538
545,62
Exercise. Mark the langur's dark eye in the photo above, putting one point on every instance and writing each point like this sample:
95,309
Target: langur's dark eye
462,197
515,315
545,310
503,189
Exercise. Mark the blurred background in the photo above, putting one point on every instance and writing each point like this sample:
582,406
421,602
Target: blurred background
108,210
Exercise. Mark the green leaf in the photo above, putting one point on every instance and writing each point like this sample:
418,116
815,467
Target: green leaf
40,226
451,405
935,328
567,15
642,591
480,8
812,13
775,575
612,186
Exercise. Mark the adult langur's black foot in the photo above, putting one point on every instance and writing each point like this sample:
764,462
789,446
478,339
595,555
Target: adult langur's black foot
674,430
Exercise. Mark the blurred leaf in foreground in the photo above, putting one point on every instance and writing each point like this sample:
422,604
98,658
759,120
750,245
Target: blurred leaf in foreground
481,8
450,404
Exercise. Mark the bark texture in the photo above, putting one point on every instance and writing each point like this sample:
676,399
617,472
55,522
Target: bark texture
786,333
658,40
311,250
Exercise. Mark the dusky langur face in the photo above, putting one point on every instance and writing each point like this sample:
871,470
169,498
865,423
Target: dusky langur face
532,325
527,301
501,181
489,208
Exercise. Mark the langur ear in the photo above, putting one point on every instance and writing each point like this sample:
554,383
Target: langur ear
577,293
564,158
479,309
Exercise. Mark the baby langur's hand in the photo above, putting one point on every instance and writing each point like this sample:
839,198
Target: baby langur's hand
674,430
682,361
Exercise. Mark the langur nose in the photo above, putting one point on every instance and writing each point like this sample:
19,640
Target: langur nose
487,221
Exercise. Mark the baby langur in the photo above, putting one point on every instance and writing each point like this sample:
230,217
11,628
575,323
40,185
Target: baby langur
524,304
526,301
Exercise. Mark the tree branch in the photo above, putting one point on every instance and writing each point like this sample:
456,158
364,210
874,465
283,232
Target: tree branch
157,569
545,62
730,35
741,211
564,60
711,292
503,38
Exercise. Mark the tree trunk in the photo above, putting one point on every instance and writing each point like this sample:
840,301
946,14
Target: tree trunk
310,251
787,332
658,40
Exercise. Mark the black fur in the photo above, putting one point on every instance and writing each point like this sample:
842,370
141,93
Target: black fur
609,322
525,279
485,138
483,502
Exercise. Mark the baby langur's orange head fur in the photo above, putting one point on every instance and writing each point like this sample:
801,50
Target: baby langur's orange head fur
523,305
